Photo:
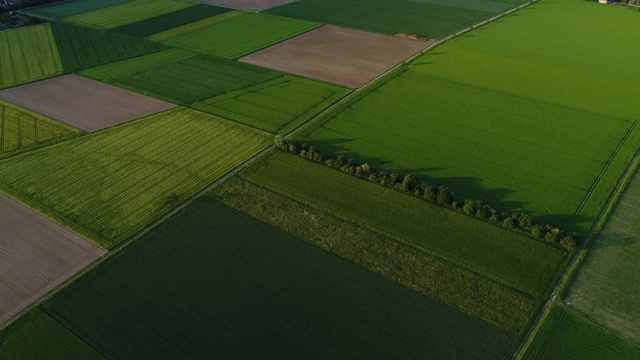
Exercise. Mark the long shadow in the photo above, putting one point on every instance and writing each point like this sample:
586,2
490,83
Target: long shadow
607,240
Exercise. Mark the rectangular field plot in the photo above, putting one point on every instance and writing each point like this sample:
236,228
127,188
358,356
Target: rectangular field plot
28,54
607,287
242,35
83,103
65,9
128,12
36,255
241,289
82,47
170,20
565,335
37,335
278,106
543,144
21,129
180,76
431,18
195,26
336,55
502,255
110,184
252,5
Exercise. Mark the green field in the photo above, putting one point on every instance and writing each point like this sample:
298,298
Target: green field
110,184
21,129
82,47
566,335
543,144
432,18
28,54
195,26
455,286
37,335
128,12
59,11
171,20
242,35
607,287
505,256
277,106
180,76
213,283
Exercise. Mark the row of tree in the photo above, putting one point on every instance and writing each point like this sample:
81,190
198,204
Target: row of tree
441,195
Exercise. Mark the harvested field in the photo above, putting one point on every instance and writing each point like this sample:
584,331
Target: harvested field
242,35
337,55
36,255
252,5
28,54
83,103
65,9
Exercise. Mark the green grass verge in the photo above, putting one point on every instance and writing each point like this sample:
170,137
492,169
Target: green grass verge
36,335
180,76
277,106
542,144
195,26
240,288
171,20
110,184
28,54
242,35
82,47
128,12
432,18
440,280
67,9
21,130
500,254
566,335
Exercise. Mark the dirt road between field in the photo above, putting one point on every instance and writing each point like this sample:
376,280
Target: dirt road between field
83,103
36,254
346,57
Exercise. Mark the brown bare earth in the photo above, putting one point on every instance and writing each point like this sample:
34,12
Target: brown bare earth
36,255
337,55
253,5
83,103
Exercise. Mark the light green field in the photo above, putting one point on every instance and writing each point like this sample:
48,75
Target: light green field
510,258
127,13
277,106
607,287
195,26
242,35
566,335
28,54
524,120
108,185
21,129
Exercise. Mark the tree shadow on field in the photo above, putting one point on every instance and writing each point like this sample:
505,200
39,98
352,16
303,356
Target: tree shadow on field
567,221
613,239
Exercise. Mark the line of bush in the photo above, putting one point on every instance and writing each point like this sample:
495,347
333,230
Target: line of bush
441,195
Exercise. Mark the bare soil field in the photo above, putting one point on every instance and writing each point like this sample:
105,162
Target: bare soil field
337,55
83,103
36,254
252,5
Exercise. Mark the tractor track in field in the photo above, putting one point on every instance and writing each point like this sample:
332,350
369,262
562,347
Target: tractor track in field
248,162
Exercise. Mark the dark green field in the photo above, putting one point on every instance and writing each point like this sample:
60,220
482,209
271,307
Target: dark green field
214,283
82,47
432,18
171,20
71,8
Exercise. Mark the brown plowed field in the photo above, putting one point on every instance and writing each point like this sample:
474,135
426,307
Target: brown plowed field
337,55
83,103
36,254
252,5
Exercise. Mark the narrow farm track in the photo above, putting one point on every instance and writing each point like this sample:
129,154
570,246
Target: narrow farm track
602,218
249,161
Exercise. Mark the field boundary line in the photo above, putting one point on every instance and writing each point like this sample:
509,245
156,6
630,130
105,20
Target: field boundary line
594,232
